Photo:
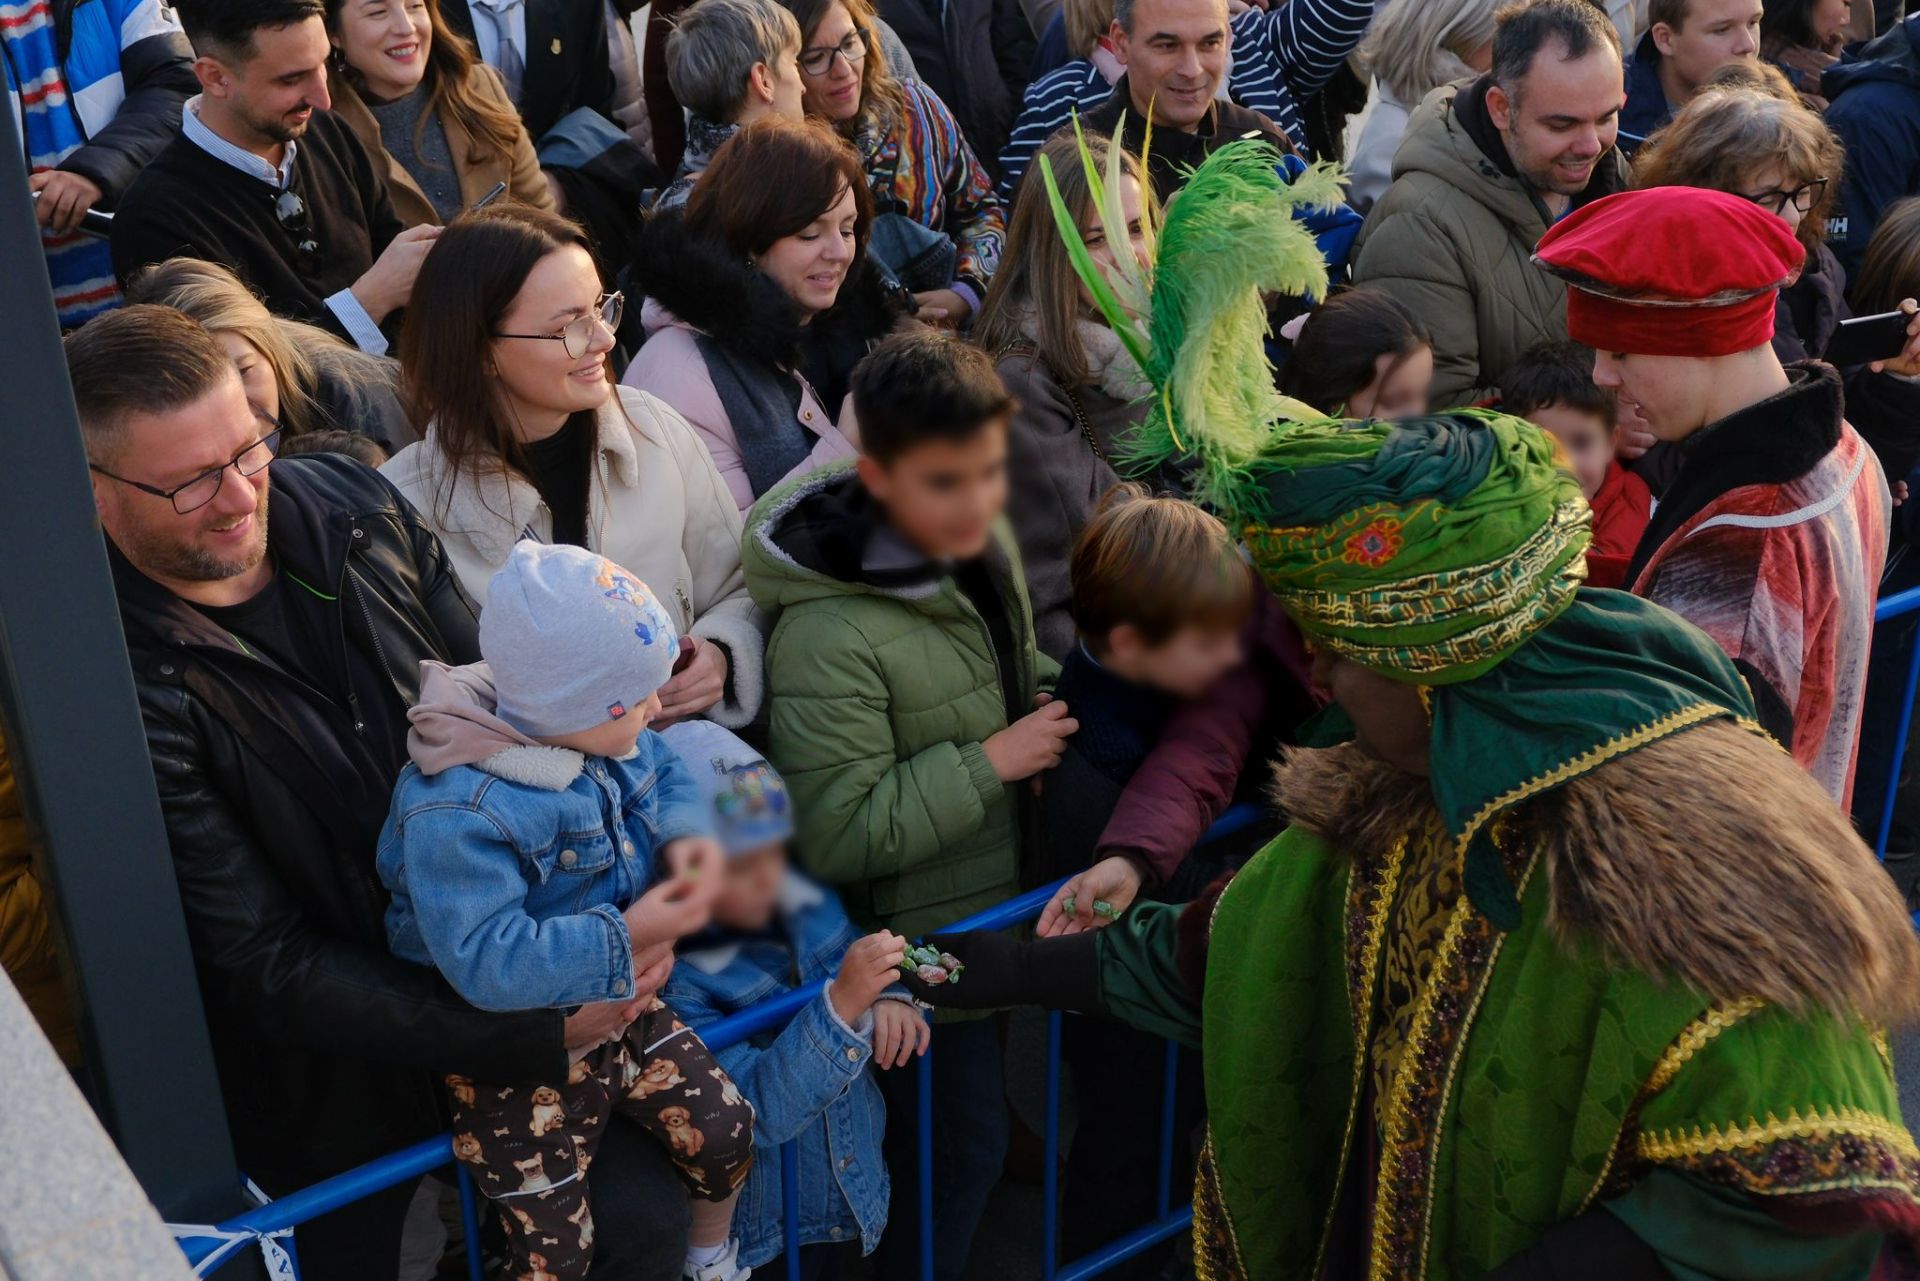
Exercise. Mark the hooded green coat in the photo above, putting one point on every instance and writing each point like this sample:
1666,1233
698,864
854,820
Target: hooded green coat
881,698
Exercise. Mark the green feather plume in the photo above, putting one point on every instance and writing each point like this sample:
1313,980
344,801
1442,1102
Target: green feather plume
1227,237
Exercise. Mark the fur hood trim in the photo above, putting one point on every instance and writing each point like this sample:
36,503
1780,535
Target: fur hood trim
1756,886
705,286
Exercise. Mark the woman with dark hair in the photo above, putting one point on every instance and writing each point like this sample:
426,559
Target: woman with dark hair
1361,354
505,355
436,120
1078,393
940,230
1803,38
760,301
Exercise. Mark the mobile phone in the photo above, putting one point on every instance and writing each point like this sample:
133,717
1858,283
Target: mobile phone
1868,338
489,198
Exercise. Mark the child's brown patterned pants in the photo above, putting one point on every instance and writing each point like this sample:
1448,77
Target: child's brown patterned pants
528,1147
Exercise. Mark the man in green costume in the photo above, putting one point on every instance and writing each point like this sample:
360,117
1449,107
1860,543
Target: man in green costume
1563,969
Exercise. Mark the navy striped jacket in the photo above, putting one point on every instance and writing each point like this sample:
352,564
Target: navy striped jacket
1281,58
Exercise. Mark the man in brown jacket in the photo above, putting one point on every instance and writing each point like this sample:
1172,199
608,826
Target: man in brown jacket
1485,168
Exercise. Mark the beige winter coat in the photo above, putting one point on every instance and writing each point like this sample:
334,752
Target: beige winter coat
658,508
1453,239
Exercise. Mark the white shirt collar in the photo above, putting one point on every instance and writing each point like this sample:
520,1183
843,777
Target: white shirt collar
240,158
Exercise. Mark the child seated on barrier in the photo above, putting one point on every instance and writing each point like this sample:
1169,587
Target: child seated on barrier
774,930
544,850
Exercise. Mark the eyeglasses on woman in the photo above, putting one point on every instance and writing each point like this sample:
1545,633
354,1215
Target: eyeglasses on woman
577,334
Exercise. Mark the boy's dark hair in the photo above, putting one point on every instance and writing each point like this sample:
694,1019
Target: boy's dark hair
1334,356
224,29
1159,563
922,386
1522,31
1557,372
142,358
362,449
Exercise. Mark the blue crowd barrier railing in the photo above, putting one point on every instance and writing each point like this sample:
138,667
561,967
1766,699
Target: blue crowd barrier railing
1899,605
395,1168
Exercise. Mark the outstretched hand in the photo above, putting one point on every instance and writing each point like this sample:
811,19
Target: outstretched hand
1095,898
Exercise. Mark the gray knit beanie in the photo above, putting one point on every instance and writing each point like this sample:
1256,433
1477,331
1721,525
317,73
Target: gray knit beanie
573,639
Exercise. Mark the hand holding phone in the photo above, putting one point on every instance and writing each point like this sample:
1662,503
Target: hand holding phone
1865,339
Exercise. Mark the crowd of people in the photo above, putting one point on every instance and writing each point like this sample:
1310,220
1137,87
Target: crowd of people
753,482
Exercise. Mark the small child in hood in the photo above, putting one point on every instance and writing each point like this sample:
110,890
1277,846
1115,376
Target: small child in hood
774,930
1551,386
545,850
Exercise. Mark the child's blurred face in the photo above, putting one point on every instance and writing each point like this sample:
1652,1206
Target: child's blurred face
1586,438
751,888
613,738
1183,665
1400,387
944,495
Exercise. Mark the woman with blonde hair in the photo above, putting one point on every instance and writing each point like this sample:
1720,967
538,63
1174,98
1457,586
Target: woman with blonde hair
1771,150
1076,389
1415,47
302,377
435,119
942,233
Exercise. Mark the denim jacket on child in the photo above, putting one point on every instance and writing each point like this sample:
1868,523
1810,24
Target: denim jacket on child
807,1082
509,875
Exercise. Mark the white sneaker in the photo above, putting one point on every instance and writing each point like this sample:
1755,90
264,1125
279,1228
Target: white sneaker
725,1268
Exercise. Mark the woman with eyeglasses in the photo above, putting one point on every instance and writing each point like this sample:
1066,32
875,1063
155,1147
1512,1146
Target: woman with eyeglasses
435,119
938,230
760,301
1759,143
506,363
301,376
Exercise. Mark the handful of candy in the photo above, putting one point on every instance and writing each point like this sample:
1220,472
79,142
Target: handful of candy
1100,908
931,966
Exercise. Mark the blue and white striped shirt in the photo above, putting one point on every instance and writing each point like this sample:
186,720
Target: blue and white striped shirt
1281,57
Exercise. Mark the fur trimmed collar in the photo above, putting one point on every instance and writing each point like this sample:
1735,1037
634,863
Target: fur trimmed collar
1770,442
1753,884
551,769
706,287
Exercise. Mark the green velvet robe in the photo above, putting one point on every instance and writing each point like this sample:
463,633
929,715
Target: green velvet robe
1536,1083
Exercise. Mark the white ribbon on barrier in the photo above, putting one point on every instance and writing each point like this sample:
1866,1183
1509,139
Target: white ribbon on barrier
280,1266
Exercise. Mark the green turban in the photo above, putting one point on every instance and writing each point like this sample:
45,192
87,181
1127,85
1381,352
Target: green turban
1427,549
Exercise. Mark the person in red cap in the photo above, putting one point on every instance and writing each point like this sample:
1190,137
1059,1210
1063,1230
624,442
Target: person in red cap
1772,536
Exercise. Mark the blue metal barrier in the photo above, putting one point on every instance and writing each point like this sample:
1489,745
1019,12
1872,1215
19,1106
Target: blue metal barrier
432,1154
1898,605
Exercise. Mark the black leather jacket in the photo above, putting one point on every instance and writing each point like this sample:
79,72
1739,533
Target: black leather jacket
328,1047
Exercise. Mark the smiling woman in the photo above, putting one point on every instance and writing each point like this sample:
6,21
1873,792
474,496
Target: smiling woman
430,113
505,356
760,300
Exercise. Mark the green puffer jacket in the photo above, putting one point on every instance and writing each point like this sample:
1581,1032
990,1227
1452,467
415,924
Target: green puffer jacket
1453,240
881,696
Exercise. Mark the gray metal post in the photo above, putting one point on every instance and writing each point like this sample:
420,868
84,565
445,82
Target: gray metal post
80,756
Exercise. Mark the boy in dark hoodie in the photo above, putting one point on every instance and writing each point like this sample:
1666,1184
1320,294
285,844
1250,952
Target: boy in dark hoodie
907,707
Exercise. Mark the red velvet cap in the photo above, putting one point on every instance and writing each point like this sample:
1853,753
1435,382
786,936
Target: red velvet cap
1671,271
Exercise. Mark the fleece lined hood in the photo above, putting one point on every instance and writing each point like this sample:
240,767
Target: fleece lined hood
455,724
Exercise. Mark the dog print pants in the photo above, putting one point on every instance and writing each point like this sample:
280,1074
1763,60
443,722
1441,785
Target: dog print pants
528,1147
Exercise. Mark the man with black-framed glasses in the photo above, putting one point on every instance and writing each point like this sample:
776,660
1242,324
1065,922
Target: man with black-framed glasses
265,179
275,661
